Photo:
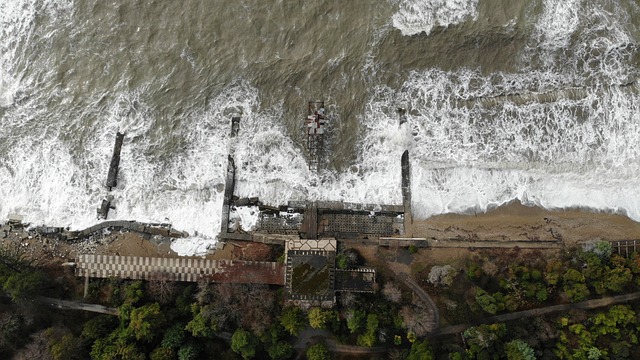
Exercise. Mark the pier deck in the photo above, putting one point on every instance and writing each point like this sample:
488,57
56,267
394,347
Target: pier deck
179,269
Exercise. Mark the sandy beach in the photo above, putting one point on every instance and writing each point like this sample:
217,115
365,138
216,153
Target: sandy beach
515,221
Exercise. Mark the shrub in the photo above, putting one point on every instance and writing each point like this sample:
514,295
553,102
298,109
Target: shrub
442,275
292,320
519,350
391,292
318,352
244,343
413,249
318,318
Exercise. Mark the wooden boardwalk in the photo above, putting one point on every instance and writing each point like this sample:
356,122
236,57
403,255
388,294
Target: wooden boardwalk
179,269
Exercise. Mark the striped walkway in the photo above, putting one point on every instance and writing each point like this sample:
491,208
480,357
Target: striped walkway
179,269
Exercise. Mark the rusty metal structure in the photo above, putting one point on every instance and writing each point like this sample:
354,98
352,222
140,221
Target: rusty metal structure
315,127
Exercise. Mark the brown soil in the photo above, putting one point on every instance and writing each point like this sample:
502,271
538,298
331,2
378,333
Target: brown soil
133,244
251,251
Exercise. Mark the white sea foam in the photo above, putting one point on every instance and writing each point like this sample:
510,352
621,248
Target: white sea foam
558,21
474,157
417,16
244,217
272,167
8,88
185,189
192,246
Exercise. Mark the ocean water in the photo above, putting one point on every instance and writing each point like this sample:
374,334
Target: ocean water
530,100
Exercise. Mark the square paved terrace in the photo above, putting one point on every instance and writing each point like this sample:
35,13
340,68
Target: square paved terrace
310,274
310,271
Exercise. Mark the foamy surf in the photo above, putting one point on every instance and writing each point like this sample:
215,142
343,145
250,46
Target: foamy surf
416,16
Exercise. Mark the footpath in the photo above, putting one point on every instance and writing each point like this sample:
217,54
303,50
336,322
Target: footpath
584,305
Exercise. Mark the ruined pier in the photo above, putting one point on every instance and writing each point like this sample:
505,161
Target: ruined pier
112,176
230,178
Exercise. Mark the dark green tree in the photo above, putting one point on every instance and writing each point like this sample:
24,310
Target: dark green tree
244,343
484,338
318,318
292,320
162,353
355,319
280,350
174,337
134,292
370,335
204,323
420,350
188,352
146,321
318,352
519,350
98,327
23,284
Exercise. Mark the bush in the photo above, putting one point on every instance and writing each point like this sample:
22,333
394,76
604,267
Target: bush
519,350
442,275
292,320
280,350
342,261
420,351
188,352
174,337
318,352
318,318
162,353
392,293
413,249
489,303
355,319
369,337
602,249
244,343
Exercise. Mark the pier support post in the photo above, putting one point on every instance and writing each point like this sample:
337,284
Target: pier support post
402,112
86,285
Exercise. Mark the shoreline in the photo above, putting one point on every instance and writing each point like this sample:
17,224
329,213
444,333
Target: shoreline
509,222
515,221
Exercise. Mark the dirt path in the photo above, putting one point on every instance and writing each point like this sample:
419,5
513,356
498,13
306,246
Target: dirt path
413,285
311,336
584,305
76,305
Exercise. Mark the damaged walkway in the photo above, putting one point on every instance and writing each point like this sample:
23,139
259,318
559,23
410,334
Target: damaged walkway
180,269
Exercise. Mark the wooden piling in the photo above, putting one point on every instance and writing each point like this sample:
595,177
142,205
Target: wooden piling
403,115
86,286
112,177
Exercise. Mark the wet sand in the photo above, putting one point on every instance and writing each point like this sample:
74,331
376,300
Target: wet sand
515,221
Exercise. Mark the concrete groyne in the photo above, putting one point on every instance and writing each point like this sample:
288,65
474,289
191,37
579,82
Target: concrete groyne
112,176
230,178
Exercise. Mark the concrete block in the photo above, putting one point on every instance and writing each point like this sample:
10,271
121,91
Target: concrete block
15,218
242,202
